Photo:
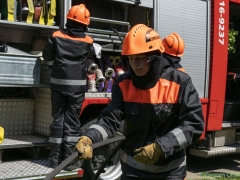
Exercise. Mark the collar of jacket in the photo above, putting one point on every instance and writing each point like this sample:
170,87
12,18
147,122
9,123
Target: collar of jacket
173,61
76,32
150,79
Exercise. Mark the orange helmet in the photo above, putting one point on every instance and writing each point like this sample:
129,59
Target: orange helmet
174,45
80,14
141,39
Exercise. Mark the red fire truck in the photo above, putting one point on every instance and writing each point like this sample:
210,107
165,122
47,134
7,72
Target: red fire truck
211,58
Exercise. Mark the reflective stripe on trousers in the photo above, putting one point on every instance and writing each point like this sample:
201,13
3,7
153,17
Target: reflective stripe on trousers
153,168
55,140
65,130
68,82
65,139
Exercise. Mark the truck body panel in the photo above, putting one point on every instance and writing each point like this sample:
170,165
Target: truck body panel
25,96
219,57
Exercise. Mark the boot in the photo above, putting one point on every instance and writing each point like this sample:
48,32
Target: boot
73,165
56,155
69,150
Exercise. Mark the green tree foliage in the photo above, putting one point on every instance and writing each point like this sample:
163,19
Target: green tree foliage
232,41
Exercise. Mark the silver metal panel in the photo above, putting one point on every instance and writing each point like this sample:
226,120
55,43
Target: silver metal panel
67,6
12,50
224,137
43,111
217,151
231,124
147,3
17,35
19,69
29,170
17,141
45,74
21,32
23,25
193,26
17,116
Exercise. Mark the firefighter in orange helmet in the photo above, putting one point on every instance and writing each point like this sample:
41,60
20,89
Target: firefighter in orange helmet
160,107
174,49
66,52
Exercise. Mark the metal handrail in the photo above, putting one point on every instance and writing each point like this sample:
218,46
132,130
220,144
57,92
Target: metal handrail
136,1
109,21
92,30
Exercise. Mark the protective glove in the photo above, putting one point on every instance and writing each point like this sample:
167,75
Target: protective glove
84,148
149,154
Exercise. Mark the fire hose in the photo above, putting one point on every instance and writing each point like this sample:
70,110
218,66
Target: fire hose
94,146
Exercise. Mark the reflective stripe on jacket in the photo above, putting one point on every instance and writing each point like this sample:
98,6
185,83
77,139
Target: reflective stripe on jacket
67,53
170,113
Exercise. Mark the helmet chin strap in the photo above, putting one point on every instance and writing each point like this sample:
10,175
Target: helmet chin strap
149,80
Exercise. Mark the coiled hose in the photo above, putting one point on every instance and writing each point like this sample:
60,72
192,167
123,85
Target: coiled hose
94,146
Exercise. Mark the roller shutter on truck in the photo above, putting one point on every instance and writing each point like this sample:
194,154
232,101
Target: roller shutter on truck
191,21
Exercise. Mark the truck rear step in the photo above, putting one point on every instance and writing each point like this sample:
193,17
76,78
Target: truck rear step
19,141
23,141
32,169
216,151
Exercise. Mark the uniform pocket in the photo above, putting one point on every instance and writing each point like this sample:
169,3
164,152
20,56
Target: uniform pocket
163,112
132,109
133,119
